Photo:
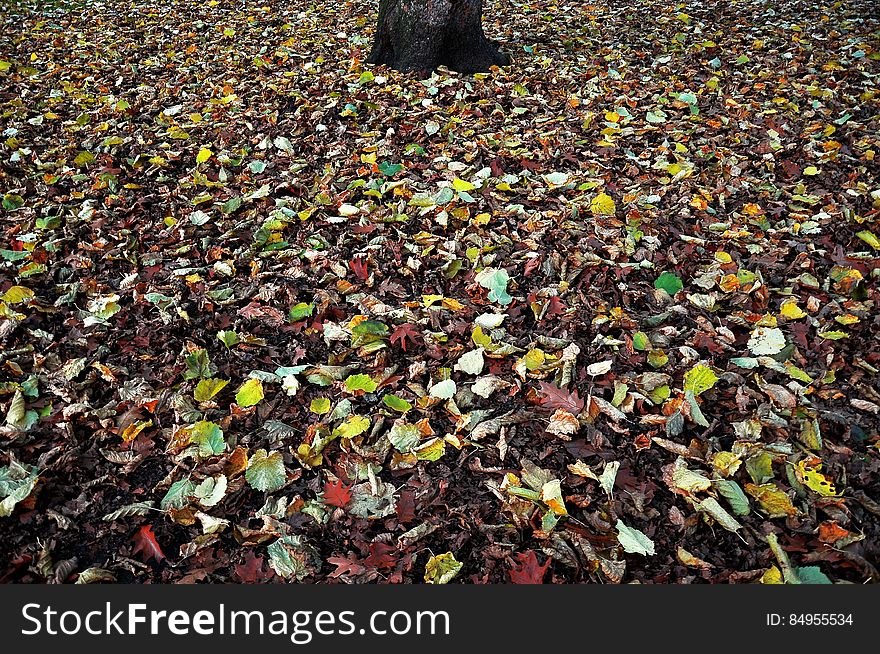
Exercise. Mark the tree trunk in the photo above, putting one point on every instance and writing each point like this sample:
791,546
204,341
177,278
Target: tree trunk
420,35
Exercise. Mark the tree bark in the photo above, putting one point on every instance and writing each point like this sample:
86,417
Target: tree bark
420,35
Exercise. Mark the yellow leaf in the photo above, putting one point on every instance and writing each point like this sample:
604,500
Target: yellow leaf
603,205
203,155
774,502
135,428
813,479
461,185
700,379
869,238
250,393
84,158
442,568
480,338
452,304
534,359
791,310
772,576
17,294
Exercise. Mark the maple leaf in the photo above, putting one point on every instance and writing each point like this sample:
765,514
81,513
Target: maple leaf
403,332
525,569
253,569
146,545
337,494
358,266
381,556
559,398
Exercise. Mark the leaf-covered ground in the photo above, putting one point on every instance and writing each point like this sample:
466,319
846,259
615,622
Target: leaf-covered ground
608,315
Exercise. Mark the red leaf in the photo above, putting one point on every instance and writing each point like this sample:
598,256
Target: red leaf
406,507
525,569
252,570
337,494
560,398
145,544
358,266
256,311
381,556
403,332
346,566
556,308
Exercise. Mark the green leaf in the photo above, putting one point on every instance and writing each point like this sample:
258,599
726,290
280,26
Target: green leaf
641,342
789,572
198,365
633,540
370,328
495,280
137,508
396,403
431,450
84,158
731,491
232,205
442,569
266,471
669,282
228,338
12,201
556,179
711,506
178,495
363,383
301,311
696,413
812,575
209,437
320,406
208,388
389,169
250,393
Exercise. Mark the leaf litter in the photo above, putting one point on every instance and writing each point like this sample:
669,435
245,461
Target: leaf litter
269,314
